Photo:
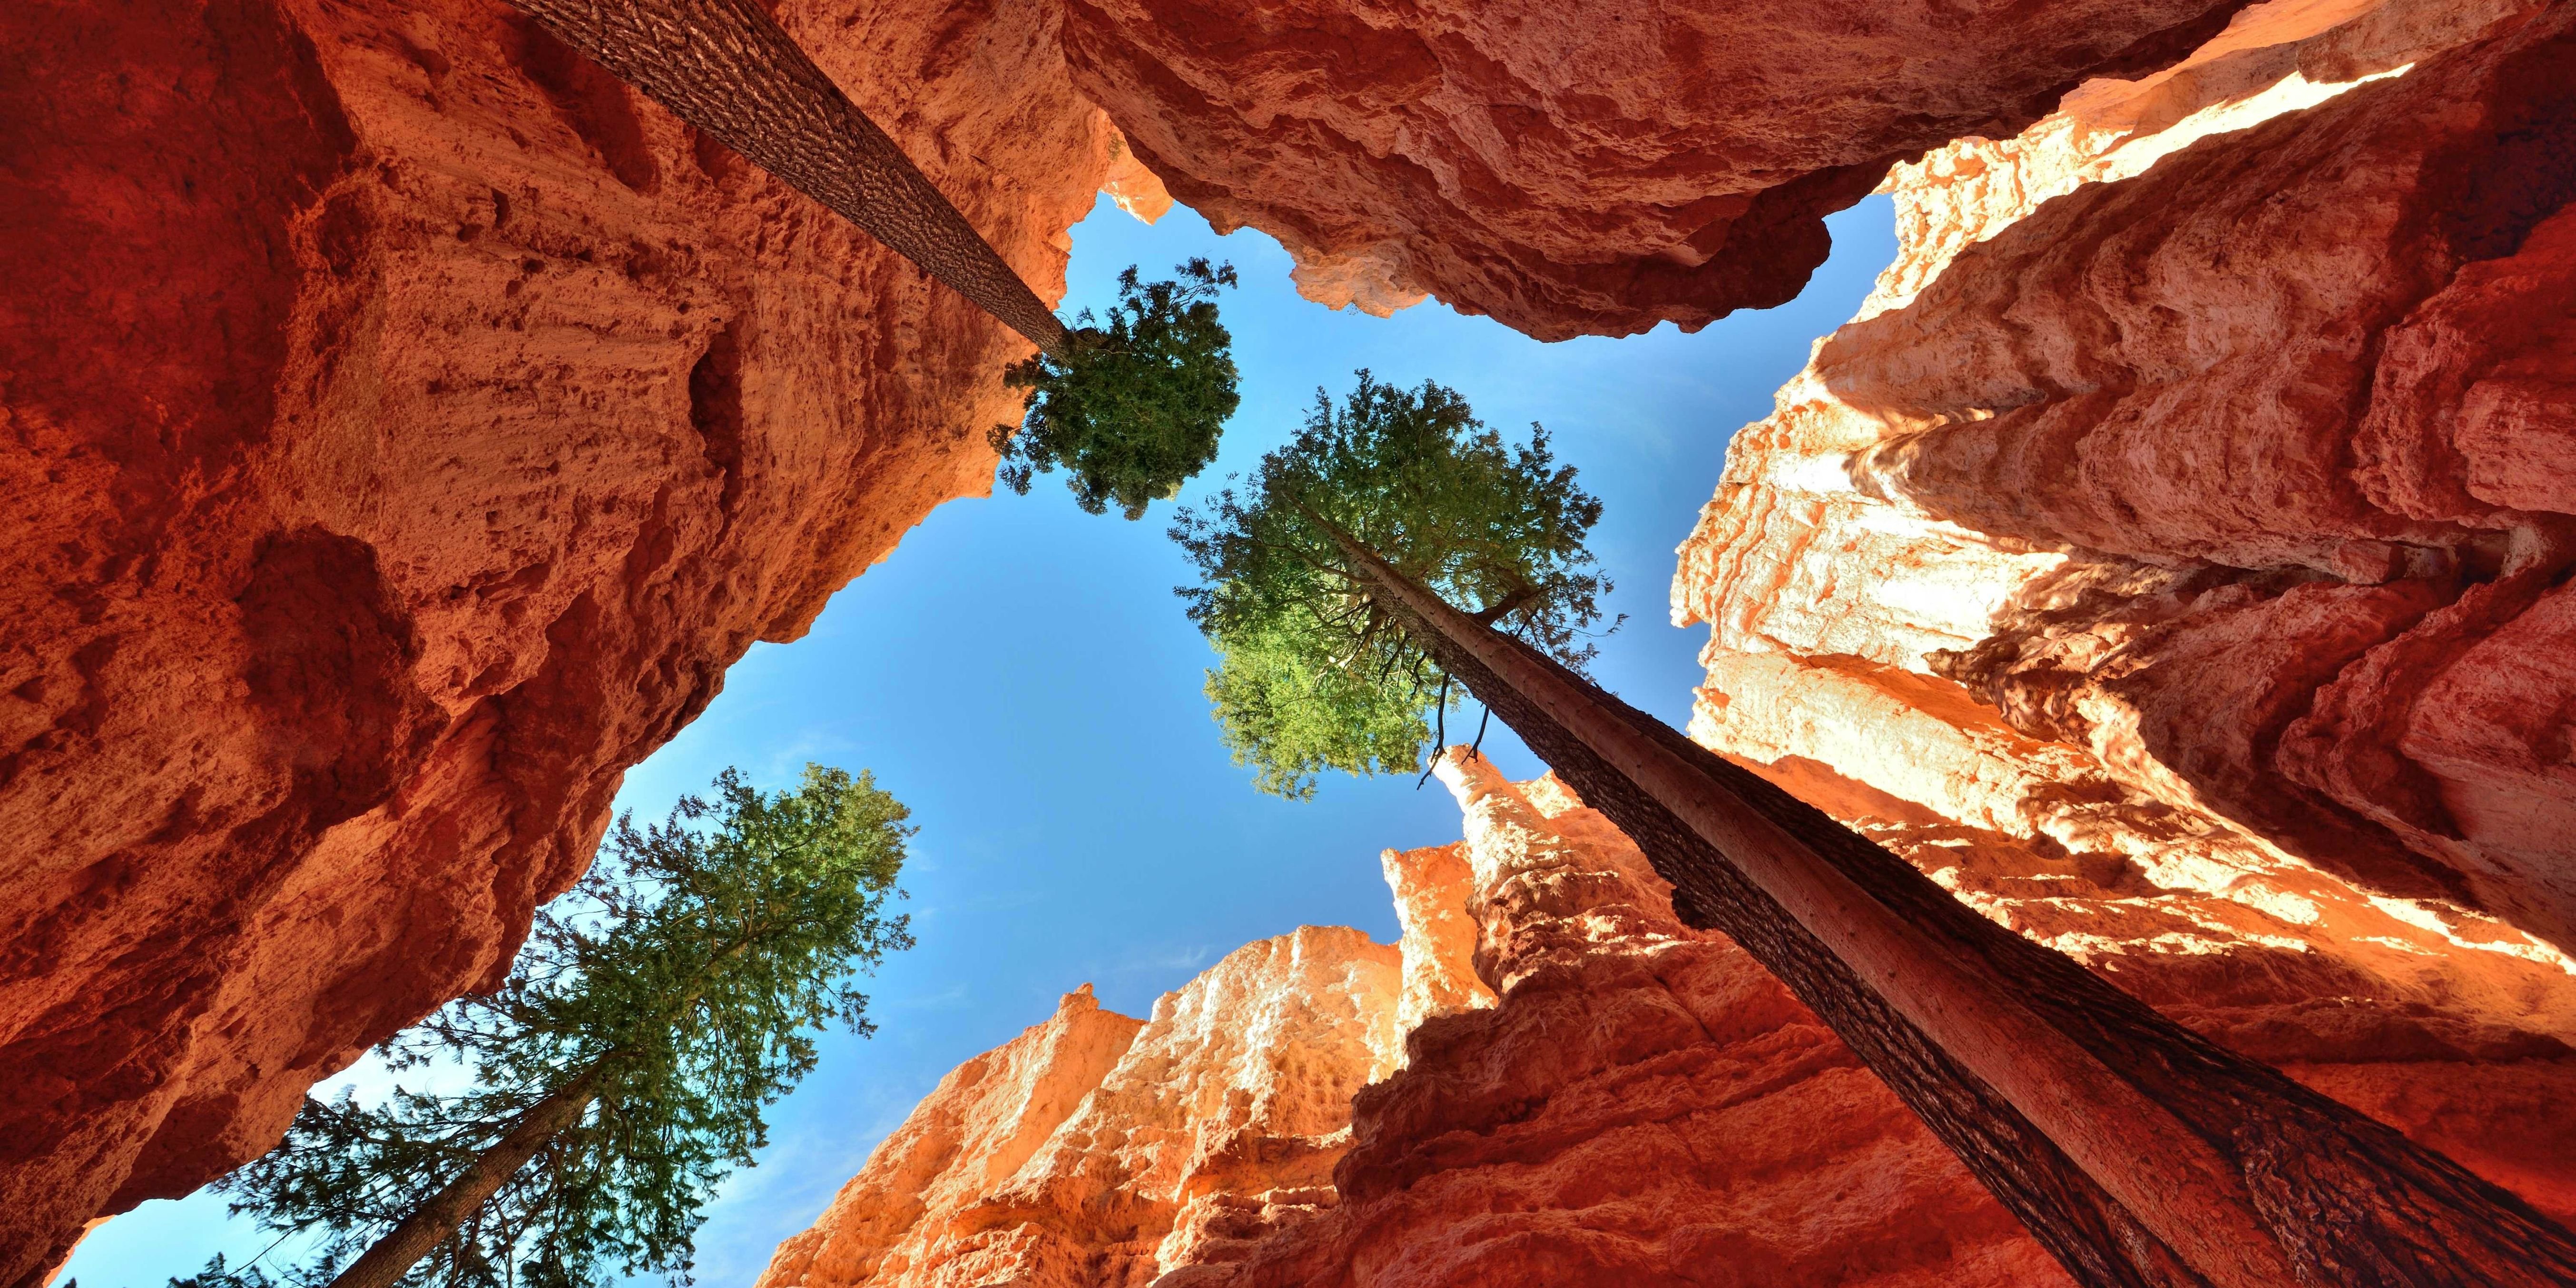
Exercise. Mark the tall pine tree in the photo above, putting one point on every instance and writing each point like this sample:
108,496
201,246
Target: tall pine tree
1396,547
1317,671
1130,410
620,1073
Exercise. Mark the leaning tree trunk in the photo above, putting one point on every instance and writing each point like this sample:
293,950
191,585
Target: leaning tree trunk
728,68
384,1264
2136,1151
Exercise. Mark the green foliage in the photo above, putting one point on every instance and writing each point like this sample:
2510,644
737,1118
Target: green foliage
1131,410
686,974
1315,674
215,1275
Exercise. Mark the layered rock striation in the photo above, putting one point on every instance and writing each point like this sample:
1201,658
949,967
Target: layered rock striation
1640,1101
1585,168
1589,1092
407,426
2193,463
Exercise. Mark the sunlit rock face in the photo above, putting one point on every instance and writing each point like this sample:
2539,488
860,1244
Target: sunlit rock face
964,1141
407,425
1587,167
1590,1093
1097,1150
1641,1104
2189,505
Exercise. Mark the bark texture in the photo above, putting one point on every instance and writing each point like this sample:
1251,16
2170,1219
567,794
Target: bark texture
384,1264
728,68
1591,1094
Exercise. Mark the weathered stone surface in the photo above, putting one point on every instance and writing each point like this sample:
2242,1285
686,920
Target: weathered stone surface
1576,168
2447,1025
1433,887
1642,1105
406,428
964,1141
2208,427
1110,1152
1622,1100
407,425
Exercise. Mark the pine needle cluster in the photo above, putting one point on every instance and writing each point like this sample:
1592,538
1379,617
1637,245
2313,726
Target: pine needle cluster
657,1008
1132,407
1316,673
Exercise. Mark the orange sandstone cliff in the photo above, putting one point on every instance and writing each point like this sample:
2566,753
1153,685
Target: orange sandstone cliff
1590,1093
1097,1150
2200,462
406,427
1578,166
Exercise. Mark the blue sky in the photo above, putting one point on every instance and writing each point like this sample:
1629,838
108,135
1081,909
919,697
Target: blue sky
1020,674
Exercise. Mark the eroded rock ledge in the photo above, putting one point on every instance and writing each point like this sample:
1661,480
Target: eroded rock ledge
1587,1092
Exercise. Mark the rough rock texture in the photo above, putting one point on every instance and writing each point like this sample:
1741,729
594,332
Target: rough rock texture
1643,1105
964,1141
1432,889
1134,187
1092,1152
406,427
2200,463
1642,1100
1571,168
1595,1094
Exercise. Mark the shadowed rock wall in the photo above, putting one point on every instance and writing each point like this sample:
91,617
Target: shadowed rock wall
407,425
1642,1105
1577,168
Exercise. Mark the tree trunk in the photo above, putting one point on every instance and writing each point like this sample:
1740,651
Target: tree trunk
394,1255
728,68
2136,1151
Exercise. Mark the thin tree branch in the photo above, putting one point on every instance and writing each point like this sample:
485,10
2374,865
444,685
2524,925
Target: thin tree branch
1440,740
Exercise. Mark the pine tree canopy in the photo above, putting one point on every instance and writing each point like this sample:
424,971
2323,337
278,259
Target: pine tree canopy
680,984
1314,673
1132,409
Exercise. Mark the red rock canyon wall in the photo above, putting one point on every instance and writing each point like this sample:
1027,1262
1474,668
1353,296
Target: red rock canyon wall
2168,561
407,426
2202,439
1577,168
1587,1092
1097,1150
